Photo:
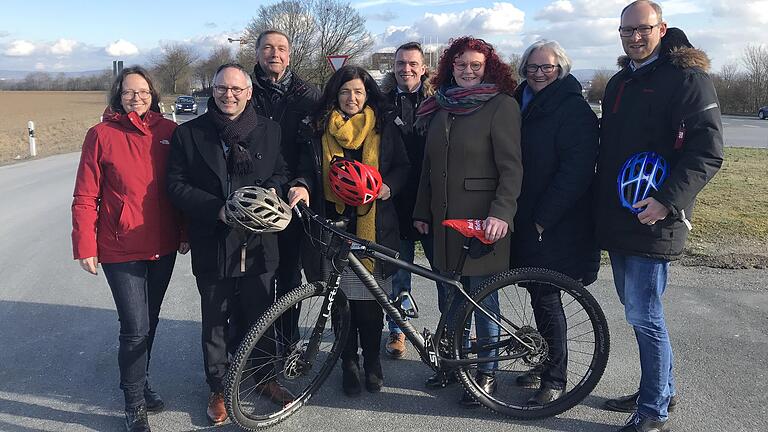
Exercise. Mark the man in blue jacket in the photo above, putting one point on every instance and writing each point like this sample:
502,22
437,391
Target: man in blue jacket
662,101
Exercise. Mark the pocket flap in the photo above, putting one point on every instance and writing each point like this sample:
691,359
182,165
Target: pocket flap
481,184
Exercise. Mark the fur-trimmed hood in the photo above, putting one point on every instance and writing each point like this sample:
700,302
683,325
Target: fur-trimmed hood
389,82
676,47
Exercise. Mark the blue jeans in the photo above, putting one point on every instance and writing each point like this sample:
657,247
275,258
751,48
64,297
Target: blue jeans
138,288
640,283
401,281
486,330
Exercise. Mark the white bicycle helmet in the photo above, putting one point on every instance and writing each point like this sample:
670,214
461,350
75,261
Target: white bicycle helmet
256,209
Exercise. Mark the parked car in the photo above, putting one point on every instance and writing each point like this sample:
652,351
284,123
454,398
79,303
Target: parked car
763,113
186,104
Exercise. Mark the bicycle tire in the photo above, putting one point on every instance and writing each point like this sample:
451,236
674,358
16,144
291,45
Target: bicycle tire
579,306
252,411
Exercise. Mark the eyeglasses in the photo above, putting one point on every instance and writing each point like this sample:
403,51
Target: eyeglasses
222,90
475,65
546,68
130,94
643,30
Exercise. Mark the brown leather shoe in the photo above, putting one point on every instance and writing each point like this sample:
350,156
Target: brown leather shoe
217,412
396,345
278,394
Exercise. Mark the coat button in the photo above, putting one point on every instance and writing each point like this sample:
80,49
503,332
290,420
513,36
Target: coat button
443,173
259,156
444,205
259,181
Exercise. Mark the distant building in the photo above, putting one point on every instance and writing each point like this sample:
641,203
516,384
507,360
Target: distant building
383,61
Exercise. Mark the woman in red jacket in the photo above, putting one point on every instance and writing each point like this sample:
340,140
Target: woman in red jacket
122,218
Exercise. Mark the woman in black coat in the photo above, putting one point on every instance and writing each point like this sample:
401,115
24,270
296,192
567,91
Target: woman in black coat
553,224
352,121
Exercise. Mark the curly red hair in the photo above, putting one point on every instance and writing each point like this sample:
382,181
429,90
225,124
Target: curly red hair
496,71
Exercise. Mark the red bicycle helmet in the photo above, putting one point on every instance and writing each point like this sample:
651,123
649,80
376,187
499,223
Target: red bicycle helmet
355,183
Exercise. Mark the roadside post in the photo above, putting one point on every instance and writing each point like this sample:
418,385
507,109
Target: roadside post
32,144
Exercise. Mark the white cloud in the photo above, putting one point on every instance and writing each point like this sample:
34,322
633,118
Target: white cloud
20,48
121,48
502,18
39,66
371,3
749,12
63,46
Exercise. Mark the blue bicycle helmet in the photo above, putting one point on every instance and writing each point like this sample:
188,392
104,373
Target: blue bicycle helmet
642,173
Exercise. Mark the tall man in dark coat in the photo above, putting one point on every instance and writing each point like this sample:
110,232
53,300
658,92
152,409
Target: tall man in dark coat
281,95
663,101
406,88
228,147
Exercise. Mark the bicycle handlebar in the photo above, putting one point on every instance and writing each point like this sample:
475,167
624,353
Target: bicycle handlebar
305,213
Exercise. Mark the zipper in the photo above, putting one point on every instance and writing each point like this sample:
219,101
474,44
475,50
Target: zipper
242,257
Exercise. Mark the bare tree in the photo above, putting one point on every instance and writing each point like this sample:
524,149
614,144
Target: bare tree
514,63
755,61
205,69
597,88
174,66
316,28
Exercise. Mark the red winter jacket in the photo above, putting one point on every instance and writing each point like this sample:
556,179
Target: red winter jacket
120,210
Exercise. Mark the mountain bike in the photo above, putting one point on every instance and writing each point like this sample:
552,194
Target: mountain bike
301,356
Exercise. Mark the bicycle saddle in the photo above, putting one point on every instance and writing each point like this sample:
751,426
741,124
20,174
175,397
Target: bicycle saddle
468,228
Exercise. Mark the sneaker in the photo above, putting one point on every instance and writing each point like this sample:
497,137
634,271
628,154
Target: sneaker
628,404
374,378
396,345
136,419
216,412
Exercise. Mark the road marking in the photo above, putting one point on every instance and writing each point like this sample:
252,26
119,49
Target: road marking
751,126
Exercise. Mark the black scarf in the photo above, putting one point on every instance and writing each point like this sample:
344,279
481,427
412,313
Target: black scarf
234,133
275,89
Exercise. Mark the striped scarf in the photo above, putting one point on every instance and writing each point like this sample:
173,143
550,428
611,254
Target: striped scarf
458,100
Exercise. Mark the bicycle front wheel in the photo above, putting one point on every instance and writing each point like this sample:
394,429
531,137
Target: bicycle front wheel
286,356
552,333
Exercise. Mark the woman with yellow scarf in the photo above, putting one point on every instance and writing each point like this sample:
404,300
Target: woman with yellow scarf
353,121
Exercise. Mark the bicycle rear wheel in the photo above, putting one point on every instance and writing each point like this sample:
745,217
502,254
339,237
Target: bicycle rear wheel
507,296
265,357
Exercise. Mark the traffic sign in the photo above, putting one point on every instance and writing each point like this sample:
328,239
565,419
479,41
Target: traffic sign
337,61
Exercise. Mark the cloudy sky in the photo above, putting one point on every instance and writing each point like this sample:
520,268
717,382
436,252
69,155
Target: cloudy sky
75,35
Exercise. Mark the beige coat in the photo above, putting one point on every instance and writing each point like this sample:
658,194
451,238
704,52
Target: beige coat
472,169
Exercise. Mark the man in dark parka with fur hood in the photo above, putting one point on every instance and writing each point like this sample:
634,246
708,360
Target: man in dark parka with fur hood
662,100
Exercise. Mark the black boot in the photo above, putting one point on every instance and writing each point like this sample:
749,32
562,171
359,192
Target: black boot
350,378
487,383
441,379
136,419
374,377
154,403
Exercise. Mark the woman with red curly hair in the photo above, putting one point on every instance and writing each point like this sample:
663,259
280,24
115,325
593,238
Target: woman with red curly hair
472,170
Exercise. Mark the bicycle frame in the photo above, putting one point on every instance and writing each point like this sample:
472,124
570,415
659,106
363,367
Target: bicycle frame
344,255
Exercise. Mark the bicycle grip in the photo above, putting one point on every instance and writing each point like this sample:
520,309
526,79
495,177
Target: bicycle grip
383,250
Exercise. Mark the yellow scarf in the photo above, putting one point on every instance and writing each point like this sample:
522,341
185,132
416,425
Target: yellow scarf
351,134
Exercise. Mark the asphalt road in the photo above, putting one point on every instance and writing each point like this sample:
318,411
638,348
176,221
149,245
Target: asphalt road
58,343
745,132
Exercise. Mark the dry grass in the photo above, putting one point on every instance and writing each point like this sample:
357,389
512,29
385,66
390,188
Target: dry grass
61,121
731,214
